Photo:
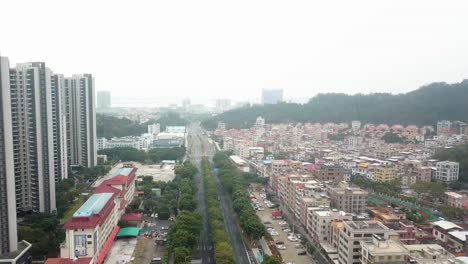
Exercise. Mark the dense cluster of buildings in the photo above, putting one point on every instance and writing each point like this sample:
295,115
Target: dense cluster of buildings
172,136
358,149
312,182
47,126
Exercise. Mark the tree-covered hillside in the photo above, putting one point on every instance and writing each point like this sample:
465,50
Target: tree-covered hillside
420,107
108,126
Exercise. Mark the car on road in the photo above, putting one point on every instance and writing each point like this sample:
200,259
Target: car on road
301,253
282,223
267,223
292,238
279,242
274,233
287,230
283,247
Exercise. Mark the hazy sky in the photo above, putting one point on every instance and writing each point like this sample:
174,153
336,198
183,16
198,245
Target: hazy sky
233,49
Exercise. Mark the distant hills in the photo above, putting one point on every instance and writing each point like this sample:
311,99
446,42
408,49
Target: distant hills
423,106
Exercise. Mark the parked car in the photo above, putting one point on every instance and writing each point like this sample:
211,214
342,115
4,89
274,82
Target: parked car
303,252
267,223
279,242
281,247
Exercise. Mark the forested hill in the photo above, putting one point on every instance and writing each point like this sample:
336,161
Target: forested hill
109,126
420,107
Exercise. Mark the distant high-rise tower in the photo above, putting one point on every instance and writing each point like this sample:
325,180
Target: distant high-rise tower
80,112
103,99
272,96
36,116
186,104
223,105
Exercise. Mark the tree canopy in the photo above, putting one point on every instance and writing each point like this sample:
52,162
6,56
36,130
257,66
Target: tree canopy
424,106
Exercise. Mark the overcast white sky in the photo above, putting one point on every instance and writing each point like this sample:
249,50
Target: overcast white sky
214,49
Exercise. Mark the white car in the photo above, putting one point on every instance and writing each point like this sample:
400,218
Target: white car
281,247
261,209
287,230
270,229
282,223
274,233
292,238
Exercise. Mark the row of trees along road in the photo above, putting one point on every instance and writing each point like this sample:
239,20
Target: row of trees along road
235,184
152,156
222,249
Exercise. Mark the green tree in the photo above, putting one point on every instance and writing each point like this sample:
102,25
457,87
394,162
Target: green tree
271,260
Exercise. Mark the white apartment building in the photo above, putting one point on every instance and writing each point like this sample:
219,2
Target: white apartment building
8,233
80,110
351,235
447,171
319,220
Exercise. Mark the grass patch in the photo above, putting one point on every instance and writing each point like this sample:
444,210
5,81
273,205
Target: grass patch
75,206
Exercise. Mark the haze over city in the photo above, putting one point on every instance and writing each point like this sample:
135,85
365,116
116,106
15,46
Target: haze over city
233,132
212,49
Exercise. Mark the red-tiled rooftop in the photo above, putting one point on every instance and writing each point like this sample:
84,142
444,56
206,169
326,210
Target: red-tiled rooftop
68,261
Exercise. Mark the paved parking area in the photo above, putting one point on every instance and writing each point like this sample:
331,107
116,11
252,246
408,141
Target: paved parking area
121,251
164,173
290,253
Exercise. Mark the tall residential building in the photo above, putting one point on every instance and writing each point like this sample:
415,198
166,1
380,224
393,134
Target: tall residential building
103,99
447,171
59,127
34,137
80,114
272,96
8,234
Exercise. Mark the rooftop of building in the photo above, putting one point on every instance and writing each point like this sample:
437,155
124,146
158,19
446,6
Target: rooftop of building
446,225
365,225
23,246
123,171
93,205
326,212
460,235
454,194
380,246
